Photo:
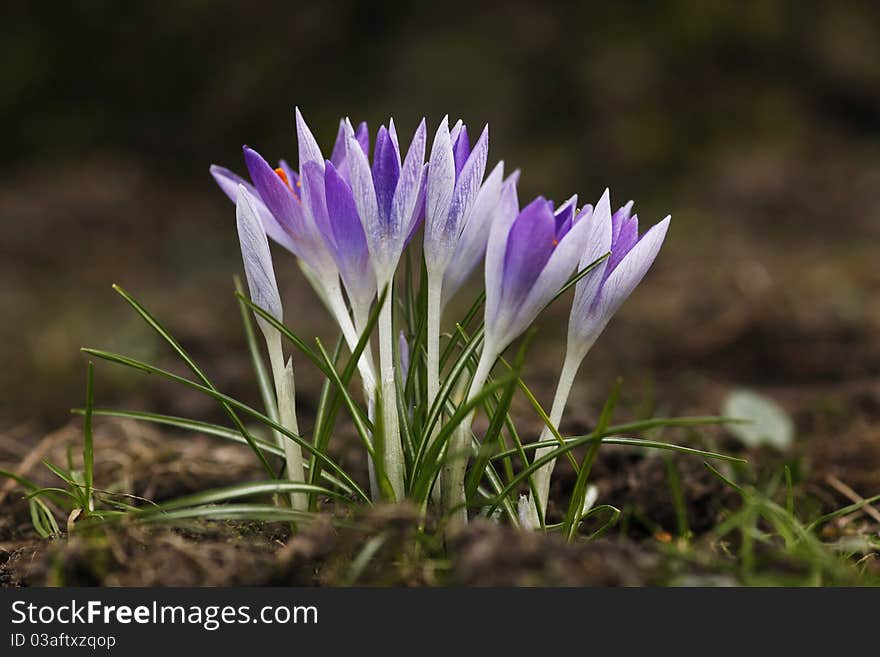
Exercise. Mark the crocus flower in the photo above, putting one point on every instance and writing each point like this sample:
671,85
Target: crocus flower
598,295
389,197
530,255
263,290
454,179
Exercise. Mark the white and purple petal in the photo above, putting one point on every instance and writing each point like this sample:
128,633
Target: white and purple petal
257,258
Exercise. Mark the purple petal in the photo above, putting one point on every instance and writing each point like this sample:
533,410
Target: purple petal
418,209
618,218
386,172
551,278
277,196
352,252
628,235
531,240
565,217
364,194
461,149
337,157
362,134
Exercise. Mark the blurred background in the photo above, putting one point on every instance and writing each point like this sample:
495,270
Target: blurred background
755,124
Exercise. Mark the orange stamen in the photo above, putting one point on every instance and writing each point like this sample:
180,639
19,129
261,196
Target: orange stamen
555,242
283,175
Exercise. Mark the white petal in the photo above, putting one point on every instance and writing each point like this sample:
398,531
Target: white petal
257,258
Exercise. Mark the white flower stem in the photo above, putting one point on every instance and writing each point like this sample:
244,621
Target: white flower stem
394,464
541,478
336,303
455,503
435,289
285,393
361,317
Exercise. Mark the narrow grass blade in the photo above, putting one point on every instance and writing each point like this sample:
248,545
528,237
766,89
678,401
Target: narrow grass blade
185,357
234,403
576,505
250,489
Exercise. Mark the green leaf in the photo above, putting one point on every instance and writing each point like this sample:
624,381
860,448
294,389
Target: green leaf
251,489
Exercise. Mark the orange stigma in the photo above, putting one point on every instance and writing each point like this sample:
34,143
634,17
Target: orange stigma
555,242
283,175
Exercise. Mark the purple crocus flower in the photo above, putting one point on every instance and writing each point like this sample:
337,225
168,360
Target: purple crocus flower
530,255
389,195
453,182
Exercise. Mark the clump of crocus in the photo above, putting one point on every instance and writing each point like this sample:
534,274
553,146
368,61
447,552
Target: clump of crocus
349,218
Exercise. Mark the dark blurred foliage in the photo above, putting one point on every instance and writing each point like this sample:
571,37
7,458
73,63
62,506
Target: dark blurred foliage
579,94
756,123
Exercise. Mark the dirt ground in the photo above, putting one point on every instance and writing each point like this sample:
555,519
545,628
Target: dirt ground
757,287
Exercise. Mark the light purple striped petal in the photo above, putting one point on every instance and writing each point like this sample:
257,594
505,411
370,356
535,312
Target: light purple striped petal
598,243
257,258
472,244
440,185
308,147
629,273
364,194
405,208
467,184
531,241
